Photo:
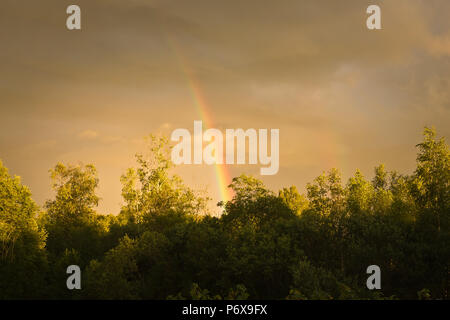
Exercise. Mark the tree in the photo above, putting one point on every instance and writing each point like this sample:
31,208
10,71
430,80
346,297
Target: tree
23,261
263,246
432,184
293,199
75,196
360,193
150,188
70,219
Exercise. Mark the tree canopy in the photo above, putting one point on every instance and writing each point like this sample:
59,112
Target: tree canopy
163,244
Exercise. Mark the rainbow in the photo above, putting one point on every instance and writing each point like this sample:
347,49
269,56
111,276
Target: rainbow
222,174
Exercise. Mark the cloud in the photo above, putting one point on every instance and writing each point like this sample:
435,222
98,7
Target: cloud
309,68
88,135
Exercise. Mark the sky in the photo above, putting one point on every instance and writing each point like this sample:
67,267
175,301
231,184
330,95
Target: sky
341,95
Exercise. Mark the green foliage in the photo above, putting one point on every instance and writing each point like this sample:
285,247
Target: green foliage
70,219
75,193
293,199
265,245
432,178
315,283
22,254
151,189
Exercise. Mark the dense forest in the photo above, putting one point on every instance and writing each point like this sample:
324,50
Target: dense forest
266,245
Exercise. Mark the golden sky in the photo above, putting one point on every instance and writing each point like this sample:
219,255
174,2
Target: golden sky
342,96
